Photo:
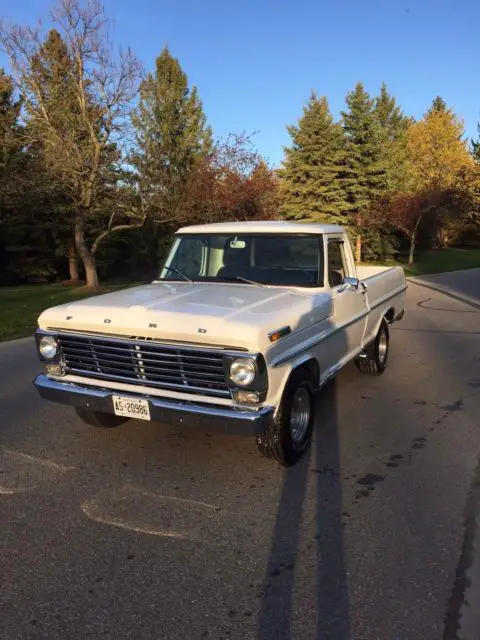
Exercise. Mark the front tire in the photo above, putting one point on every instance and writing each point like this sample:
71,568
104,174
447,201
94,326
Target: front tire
373,361
288,436
98,419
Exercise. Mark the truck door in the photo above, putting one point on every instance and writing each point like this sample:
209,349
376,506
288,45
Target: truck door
350,308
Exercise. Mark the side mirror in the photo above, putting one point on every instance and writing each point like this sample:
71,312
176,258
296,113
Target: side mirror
354,284
351,283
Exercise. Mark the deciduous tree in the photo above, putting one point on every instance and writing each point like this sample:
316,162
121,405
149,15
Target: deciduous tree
437,156
82,137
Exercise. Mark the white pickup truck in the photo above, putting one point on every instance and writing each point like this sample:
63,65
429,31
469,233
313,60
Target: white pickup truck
245,322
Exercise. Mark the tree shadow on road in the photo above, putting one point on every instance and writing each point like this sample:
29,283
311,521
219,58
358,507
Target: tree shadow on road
330,604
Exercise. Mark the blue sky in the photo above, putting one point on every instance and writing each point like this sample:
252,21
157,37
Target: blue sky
256,61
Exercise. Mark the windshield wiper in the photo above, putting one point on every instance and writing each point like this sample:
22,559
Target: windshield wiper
240,279
180,273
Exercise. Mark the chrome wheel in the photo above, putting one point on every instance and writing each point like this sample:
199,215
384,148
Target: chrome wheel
300,415
382,347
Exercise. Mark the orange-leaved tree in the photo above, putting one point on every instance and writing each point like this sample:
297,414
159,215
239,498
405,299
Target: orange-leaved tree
437,155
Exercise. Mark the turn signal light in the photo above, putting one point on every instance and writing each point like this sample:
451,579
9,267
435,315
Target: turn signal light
280,333
55,369
246,397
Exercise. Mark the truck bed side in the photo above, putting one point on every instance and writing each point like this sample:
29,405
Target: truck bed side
385,296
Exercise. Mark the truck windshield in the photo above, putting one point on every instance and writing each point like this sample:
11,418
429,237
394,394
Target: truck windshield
294,260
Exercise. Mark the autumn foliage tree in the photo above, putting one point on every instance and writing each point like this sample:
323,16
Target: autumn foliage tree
437,156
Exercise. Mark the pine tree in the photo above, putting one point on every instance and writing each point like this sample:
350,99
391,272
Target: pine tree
388,113
10,158
475,146
365,176
438,104
171,135
393,125
10,143
311,187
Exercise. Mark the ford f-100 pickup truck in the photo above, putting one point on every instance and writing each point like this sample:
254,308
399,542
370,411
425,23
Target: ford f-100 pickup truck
245,322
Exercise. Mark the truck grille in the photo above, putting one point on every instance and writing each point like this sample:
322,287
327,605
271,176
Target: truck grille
145,363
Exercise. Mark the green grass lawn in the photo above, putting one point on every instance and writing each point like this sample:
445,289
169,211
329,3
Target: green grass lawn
21,306
442,260
437,261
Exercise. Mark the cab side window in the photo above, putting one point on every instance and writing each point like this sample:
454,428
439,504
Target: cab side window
337,268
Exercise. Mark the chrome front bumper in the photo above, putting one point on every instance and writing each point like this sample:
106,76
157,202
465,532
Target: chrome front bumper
229,420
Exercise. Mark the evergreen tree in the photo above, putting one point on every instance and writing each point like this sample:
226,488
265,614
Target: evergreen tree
365,176
311,187
10,139
475,146
388,113
171,135
393,125
438,104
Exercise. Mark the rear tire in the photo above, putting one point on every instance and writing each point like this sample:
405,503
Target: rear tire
287,438
373,361
98,419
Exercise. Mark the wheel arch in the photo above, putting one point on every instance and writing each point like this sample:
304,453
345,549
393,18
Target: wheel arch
389,315
306,361
310,363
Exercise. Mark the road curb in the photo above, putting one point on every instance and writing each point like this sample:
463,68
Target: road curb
442,273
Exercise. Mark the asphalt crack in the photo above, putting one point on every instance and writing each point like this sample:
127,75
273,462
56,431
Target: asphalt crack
461,617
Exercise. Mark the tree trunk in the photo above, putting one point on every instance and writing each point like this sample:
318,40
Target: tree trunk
73,264
358,249
85,254
411,253
413,240
358,243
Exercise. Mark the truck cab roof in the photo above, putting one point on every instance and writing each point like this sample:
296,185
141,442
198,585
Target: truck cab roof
269,226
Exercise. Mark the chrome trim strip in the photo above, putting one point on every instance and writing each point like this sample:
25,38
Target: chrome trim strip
225,393
317,339
326,334
195,346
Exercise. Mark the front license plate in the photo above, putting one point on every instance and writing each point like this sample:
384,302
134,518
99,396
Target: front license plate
131,407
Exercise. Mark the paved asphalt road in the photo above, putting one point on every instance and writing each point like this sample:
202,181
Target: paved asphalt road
148,532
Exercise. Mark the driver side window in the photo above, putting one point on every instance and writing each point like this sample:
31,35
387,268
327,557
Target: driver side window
336,263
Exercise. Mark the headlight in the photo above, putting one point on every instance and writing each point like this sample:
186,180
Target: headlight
242,371
47,346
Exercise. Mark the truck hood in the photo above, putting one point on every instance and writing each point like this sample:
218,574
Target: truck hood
227,315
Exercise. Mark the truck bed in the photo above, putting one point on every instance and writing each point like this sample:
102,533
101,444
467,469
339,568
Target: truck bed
368,271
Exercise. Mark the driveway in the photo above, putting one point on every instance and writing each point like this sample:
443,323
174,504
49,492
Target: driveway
152,532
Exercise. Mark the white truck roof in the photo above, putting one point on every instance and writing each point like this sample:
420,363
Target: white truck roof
264,226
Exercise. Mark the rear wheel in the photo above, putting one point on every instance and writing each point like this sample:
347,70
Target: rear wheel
98,419
373,360
289,435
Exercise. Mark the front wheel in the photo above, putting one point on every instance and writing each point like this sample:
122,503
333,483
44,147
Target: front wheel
373,360
289,435
98,419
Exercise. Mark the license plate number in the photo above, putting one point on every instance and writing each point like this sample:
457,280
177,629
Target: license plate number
131,407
